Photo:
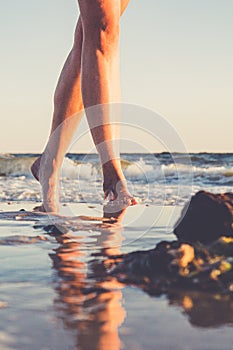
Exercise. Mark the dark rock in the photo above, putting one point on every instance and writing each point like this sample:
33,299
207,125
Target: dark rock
207,217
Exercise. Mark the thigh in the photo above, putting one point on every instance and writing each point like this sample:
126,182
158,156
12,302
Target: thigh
96,10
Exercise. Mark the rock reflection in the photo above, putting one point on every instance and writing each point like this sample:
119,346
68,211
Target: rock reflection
204,309
87,303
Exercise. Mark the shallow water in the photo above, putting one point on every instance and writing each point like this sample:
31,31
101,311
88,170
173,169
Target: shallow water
53,297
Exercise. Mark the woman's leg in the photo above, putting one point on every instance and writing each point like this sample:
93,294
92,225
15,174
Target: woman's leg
67,97
67,103
100,70
68,109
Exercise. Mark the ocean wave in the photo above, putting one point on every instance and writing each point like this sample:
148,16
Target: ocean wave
11,165
155,179
15,166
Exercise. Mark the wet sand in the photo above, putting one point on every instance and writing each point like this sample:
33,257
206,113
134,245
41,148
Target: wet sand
51,297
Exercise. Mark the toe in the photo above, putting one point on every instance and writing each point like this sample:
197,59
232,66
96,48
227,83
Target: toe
134,201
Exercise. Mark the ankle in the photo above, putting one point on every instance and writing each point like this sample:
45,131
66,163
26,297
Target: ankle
50,168
113,168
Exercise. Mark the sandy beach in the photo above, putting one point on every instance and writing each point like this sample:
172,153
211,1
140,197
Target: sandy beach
52,297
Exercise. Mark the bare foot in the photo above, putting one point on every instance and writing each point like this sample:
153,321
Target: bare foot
115,186
116,194
44,172
117,197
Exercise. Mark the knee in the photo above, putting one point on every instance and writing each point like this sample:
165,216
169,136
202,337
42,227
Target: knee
103,33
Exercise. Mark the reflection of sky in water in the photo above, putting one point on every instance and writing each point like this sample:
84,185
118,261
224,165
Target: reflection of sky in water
57,297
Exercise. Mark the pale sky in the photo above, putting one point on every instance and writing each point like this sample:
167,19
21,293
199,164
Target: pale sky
176,59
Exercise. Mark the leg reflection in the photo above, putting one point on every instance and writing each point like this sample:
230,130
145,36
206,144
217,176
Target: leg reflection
88,303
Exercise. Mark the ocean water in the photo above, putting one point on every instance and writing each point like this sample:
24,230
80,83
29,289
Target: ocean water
159,179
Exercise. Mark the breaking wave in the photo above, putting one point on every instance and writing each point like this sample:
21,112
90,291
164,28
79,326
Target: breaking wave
15,166
155,179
